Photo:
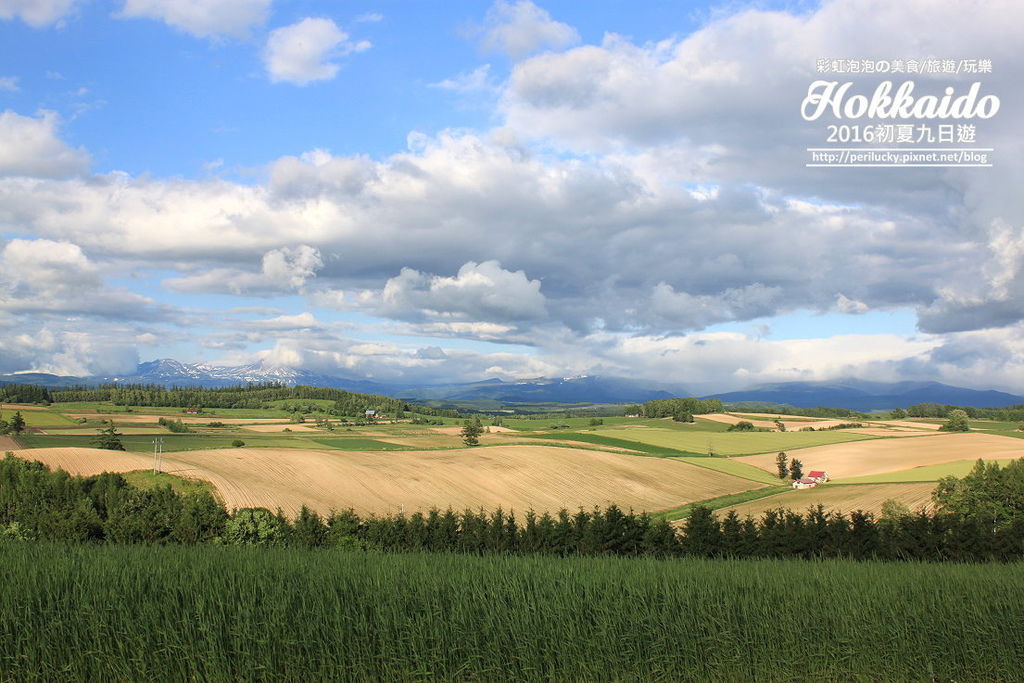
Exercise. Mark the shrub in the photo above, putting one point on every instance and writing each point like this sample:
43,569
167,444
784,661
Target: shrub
237,443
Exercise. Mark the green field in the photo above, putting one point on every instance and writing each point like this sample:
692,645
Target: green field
729,443
39,418
720,502
145,479
733,467
172,442
121,613
360,444
924,473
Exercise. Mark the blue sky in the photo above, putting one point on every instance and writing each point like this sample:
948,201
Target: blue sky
433,191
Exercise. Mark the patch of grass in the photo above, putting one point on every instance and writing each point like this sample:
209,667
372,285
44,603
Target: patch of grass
574,423
360,444
683,511
145,479
39,418
119,613
600,440
172,442
735,468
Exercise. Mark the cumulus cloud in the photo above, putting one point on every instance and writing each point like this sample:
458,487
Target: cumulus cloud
48,278
37,13
203,18
283,270
9,83
478,292
30,146
307,51
518,28
476,80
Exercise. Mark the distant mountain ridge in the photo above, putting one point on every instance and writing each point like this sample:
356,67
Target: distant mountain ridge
850,393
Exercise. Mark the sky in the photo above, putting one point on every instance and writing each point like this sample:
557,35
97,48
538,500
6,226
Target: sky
427,191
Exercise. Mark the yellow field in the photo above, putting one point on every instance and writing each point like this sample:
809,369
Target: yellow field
837,498
862,458
792,424
513,477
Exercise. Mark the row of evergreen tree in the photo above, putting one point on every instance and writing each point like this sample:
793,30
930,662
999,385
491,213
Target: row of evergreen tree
37,504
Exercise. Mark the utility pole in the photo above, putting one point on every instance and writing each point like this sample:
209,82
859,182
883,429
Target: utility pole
158,451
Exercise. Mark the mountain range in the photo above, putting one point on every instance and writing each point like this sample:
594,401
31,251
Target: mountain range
850,393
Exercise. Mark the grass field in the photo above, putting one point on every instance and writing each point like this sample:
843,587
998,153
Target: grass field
117,613
729,443
40,418
145,479
544,478
360,444
838,497
733,467
924,473
683,511
172,442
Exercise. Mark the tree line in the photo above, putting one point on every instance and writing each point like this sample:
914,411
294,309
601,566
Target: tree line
253,396
980,517
676,408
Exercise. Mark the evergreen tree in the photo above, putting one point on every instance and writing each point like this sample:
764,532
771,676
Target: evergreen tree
17,425
109,438
471,432
782,463
796,469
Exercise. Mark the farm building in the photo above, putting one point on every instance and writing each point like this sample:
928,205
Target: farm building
820,476
370,414
805,483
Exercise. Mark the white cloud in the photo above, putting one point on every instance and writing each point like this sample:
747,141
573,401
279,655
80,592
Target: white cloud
283,270
473,81
479,292
30,146
37,13
519,28
306,51
203,18
9,83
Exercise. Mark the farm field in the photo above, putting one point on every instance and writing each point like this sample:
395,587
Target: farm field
924,473
733,467
728,443
890,455
512,477
839,498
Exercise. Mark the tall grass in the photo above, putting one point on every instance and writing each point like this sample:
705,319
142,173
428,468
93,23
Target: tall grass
122,613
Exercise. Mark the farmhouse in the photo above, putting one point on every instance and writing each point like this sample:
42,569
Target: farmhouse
805,483
371,414
820,476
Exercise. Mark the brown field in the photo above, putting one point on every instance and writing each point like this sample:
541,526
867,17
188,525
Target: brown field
7,443
910,424
792,425
772,416
860,458
513,477
881,431
278,428
867,497
18,406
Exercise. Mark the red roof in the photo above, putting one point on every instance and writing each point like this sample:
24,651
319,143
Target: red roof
816,473
807,480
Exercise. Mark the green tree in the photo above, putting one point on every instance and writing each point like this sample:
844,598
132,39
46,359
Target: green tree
17,425
109,438
780,425
897,413
782,463
254,526
796,469
956,421
742,426
471,432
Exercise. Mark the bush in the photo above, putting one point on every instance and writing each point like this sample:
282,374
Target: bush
741,426
237,443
